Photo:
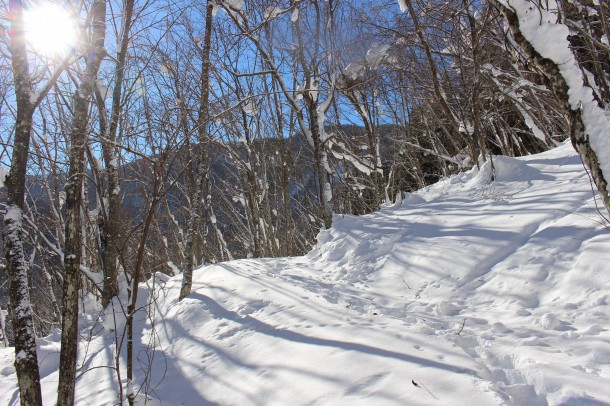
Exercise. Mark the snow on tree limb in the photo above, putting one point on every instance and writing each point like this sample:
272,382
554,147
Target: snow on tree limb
545,41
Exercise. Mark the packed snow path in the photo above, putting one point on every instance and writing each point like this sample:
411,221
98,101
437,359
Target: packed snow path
469,292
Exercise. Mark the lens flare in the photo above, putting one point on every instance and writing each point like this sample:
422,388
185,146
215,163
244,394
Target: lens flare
50,29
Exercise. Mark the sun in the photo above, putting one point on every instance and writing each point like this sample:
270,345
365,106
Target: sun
50,29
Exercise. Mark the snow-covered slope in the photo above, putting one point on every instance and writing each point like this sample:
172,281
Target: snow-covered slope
466,293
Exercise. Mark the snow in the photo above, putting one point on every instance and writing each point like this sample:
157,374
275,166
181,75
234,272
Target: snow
354,70
403,5
3,337
175,269
272,12
313,89
3,175
232,7
103,89
467,292
531,124
241,199
234,4
550,38
249,107
21,355
96,277
14,214
363,165
376,55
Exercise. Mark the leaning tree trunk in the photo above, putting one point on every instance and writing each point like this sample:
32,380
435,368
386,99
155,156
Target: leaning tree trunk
579,133
74,193
26,360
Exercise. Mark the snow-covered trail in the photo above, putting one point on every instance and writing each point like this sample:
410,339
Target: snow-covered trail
520,263
466,293
486,293
252,338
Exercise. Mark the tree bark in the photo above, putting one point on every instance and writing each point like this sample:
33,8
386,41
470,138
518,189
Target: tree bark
26,360
476,82
112,219
316,126
157,184
195,217
74,193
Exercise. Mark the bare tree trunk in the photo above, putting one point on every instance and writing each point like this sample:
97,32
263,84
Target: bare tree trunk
321,163
476,80
74,194
137,273
195,217
26,360
3,335
112,219
316,125
48,281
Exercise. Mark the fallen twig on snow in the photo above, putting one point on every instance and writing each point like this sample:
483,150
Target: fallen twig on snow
421,385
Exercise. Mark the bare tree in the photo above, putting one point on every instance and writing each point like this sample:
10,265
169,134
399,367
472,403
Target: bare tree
74,201
110,213
26,362
199,157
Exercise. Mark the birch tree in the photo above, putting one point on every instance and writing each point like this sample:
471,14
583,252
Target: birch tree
95,53
199,157
27,100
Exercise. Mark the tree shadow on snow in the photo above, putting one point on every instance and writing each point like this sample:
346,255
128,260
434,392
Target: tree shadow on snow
251,323
583,401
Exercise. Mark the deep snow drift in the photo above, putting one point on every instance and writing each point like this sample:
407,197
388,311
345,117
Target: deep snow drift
469,292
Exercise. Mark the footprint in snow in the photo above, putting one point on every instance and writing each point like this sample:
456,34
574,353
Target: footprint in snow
254,306
228,333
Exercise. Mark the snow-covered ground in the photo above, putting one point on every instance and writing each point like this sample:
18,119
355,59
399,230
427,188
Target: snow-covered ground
466,293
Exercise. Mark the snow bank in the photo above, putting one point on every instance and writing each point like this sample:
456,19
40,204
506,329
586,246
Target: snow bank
470,292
